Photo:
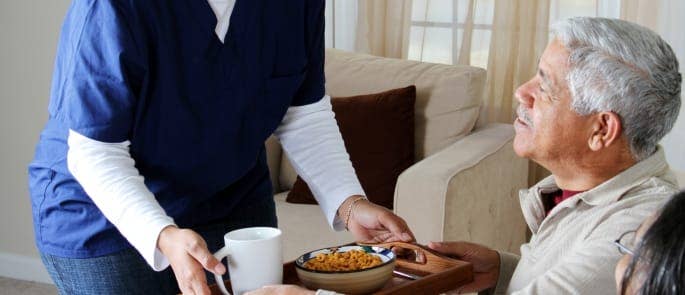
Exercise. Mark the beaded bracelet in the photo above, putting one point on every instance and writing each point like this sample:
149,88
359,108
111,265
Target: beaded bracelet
349,211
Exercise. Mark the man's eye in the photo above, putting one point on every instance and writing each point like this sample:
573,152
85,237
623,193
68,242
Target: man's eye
542,89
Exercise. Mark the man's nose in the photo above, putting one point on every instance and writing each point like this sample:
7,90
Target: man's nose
524,95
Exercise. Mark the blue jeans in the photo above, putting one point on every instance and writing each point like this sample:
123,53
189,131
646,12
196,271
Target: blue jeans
126,272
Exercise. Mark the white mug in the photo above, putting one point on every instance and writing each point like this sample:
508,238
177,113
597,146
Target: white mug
255,259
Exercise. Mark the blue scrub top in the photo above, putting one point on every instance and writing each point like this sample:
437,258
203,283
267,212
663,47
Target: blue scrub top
197,112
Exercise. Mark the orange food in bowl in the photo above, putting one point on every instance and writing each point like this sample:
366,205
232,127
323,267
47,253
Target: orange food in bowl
345,261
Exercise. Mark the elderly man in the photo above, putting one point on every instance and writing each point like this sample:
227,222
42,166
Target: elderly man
605,93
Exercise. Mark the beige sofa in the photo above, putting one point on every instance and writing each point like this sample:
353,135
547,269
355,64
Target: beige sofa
465,181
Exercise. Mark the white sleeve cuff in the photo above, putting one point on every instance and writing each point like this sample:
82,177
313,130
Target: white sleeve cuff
107,173
147,247
326,292
311,138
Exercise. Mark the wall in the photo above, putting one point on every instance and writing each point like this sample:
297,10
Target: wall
28,32
670,26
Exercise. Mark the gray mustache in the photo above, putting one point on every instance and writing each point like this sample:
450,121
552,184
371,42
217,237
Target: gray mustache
523,115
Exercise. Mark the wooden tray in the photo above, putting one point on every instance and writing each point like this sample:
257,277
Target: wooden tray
438,274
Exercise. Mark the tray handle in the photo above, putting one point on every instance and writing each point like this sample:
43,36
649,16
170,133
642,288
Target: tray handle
434,261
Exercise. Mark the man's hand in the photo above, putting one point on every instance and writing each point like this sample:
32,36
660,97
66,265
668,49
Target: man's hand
188,254
281,290
485,263
371,223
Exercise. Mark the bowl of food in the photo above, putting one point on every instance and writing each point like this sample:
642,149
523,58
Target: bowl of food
346,269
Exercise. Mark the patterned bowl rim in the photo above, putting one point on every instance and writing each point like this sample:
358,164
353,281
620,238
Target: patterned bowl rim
300,261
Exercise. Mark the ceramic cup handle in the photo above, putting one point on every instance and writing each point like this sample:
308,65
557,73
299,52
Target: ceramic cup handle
223,252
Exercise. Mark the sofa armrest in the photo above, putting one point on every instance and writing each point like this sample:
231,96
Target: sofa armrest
467,191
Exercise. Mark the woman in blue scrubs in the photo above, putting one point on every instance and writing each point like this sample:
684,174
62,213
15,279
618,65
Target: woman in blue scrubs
154,146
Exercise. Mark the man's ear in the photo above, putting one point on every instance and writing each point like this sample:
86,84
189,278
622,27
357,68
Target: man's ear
606,130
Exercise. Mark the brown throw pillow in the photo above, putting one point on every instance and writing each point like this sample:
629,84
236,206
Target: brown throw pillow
378,130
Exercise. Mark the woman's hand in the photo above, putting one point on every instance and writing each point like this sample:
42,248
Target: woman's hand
188,254
281,290
371,223
485,263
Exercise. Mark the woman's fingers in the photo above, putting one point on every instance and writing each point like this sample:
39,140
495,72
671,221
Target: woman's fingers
189,257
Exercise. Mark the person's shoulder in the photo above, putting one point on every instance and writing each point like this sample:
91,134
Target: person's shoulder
628,212
99,9
642,200
104,3
655,189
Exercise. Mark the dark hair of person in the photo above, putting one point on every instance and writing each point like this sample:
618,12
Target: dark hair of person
660,255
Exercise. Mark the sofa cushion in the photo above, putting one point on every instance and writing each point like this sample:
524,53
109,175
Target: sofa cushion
378,130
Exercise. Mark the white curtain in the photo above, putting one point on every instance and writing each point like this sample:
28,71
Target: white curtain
383,27
341,24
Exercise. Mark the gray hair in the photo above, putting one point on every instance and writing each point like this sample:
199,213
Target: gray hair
618,66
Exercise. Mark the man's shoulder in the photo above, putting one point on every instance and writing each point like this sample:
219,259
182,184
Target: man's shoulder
636,204
653,189
648,190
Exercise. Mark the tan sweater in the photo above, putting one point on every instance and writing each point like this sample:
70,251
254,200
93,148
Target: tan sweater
571,251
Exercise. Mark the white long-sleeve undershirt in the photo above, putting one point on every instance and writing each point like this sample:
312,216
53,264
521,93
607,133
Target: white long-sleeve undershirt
107,173
309,135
